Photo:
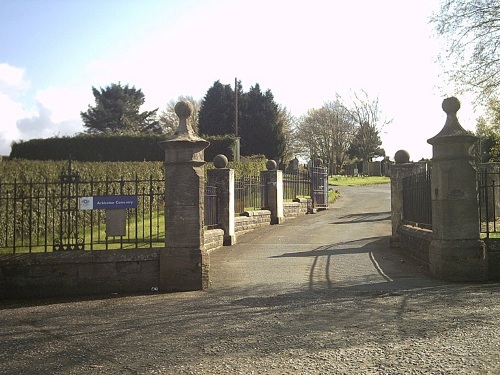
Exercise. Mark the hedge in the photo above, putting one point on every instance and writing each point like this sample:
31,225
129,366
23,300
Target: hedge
110,148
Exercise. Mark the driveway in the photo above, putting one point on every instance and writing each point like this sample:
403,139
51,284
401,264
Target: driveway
321,294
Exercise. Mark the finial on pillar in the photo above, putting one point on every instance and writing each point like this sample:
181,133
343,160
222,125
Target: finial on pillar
452,127
183,110
451,107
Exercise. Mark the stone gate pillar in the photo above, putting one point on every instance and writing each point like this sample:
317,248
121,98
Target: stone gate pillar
456,252
223,179
401,169
273,191
184,263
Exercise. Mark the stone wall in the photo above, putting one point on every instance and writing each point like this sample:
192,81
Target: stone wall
79,273
299,206
214,238
251,220
415,242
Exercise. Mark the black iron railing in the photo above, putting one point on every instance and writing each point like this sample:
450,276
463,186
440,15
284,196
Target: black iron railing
248,193
211,217
489,201
296,185
417,205
47,216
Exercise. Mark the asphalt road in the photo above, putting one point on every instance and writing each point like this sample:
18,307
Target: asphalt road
346,246
321,294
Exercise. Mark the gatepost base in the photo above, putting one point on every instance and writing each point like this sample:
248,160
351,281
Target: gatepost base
458,260
184,269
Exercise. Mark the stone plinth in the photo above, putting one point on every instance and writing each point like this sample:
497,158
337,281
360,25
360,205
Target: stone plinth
184,264
456,253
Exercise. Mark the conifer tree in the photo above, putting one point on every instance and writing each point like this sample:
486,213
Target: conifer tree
216,116
116,110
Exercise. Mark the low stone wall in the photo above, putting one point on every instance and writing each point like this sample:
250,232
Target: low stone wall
79,273
251,220
214,238
415,242
299,206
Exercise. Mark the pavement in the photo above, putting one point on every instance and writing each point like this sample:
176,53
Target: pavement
320,294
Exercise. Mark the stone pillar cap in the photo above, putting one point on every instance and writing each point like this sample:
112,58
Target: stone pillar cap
452,128
185,131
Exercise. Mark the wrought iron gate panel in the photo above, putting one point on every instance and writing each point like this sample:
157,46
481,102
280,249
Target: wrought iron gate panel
319,184
68,236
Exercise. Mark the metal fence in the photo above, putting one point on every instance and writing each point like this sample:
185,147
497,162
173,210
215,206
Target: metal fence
248,193
211,215
46,216
296,185
489,201
417,205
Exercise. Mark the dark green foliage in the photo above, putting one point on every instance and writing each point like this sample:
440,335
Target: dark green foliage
216,116
107,147
260,126
116,110
366,143
261,130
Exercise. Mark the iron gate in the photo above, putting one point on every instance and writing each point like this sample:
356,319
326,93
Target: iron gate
319,184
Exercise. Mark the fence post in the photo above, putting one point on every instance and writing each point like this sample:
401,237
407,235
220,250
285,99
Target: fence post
184,263
223,179
273,191
401,169
456,252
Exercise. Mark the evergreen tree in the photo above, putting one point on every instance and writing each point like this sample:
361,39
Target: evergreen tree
261,129
216,116
366,143
116,110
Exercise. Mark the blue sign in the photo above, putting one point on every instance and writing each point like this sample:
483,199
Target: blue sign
108,202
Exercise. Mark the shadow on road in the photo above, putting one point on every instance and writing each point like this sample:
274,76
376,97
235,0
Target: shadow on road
364,218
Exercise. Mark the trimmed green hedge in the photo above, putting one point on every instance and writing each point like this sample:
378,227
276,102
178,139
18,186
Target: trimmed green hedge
110,148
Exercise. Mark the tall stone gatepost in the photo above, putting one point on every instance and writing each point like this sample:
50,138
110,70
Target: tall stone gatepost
401,169
456,252
273,191
223,179
184,263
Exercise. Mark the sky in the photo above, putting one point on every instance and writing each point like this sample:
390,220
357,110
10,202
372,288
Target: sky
52,52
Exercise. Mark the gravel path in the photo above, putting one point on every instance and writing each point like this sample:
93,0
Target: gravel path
322,294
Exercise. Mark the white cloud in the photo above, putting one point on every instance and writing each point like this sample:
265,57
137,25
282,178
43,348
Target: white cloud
64,103
57,111
11,111
41,125
12,77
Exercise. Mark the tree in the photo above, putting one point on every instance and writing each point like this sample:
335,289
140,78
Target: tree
116,110
216,115
472,30
365,114
488,131
327,133
168,118
261,131
289,125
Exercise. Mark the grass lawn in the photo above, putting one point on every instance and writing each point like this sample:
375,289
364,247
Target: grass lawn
357,181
